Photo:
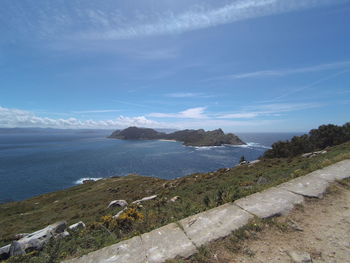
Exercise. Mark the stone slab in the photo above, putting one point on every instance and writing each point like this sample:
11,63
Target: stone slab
215,223
337,171
272,202
130,251
166,243
308,185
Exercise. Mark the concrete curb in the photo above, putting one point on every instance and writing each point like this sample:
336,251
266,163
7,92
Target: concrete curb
182,239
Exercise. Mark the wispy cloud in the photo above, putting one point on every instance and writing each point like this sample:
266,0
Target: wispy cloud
188,95
193,113
274,109
286,72
182,95
96,21
204,17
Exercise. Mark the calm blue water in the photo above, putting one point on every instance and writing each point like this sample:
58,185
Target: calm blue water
36,162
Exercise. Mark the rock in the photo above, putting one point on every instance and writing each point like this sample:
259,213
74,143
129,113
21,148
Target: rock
62,235
307,155
16,249
251,163
294,225
78,225
299,256
117,203
262,180
175,198
5,252
36,240
88,181
243,163
59,227
313,154
119,213
20,235
320,152
145,199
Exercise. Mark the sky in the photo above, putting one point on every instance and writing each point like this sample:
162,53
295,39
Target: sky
239,65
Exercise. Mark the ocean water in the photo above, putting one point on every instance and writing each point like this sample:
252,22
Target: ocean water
33,162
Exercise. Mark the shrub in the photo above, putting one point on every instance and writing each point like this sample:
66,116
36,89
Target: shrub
317,139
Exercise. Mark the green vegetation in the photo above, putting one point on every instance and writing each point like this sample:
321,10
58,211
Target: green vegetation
188,137
317,139
197,192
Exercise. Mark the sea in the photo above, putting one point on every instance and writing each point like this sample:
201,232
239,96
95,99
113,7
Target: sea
37,161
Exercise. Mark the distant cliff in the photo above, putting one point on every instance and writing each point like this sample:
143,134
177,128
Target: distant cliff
188,137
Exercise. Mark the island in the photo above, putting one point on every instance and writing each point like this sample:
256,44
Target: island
188,137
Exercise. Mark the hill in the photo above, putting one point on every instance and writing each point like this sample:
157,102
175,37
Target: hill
188,137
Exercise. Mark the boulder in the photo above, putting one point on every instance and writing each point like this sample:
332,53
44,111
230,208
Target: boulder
78,225
299,256
313,154
307,155
36,240
117,203
59,227
16,249
175,198
5,252
21,235
145,199
62,235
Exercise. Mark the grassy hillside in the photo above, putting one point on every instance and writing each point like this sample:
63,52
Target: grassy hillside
197,193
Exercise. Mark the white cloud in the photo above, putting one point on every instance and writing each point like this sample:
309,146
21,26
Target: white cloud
203,17
19,118
73,21
274,109
193,113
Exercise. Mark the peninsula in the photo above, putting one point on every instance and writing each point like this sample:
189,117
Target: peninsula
188,137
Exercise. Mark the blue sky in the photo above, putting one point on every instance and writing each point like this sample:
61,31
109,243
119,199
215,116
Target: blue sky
267,65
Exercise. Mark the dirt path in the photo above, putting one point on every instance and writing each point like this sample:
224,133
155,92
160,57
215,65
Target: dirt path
325,233
320,228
